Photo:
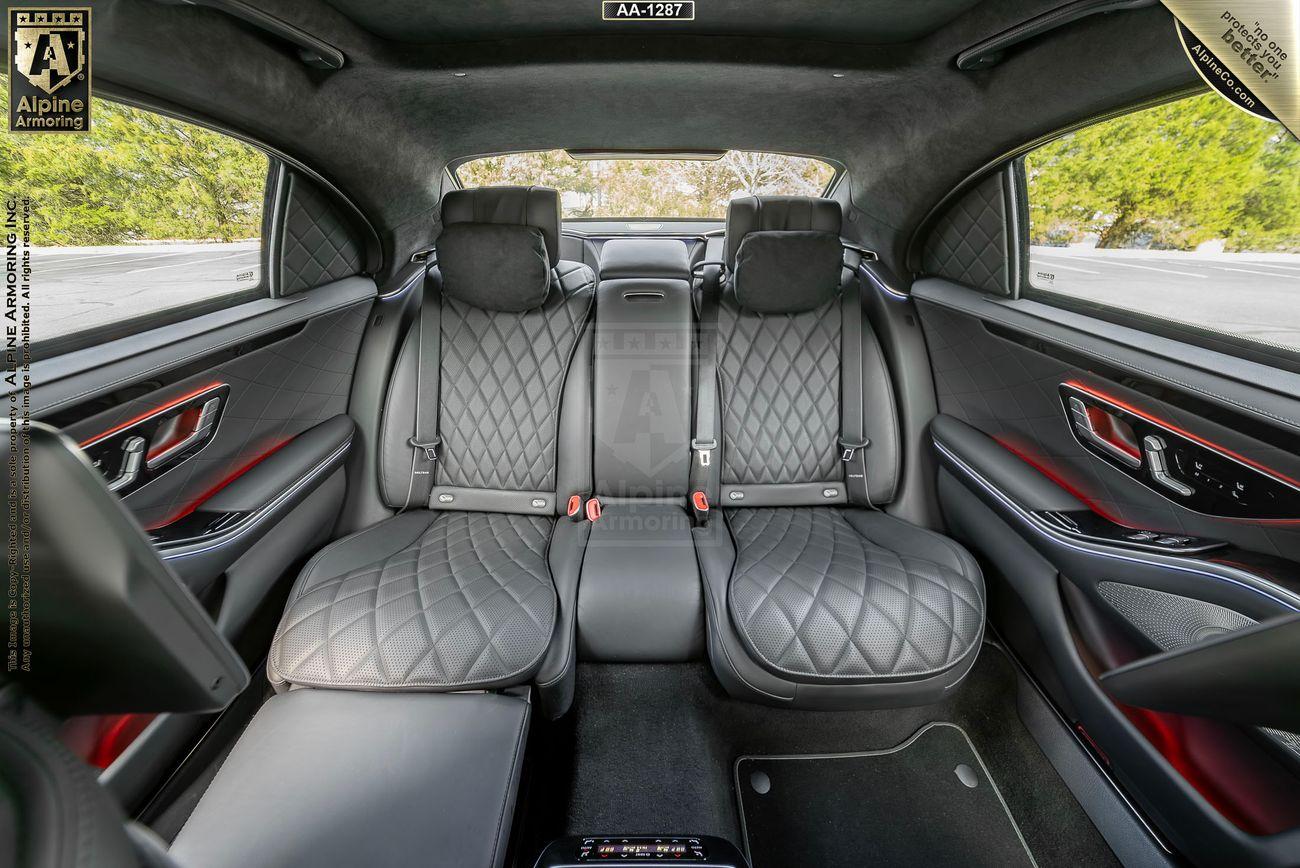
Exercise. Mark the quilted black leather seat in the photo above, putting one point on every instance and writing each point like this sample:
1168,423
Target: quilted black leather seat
458,591
815,598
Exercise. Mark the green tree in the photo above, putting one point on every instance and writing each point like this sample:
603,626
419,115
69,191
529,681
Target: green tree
651,187
1171,177
135,176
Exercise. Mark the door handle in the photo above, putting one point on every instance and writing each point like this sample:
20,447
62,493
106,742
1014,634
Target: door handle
132,458
1100,428
192,426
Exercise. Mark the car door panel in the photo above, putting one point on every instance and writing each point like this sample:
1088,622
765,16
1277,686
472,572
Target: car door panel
273,465
275,393
207,542
1012,393
1010,456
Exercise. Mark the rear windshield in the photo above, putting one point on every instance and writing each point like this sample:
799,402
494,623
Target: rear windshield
624,188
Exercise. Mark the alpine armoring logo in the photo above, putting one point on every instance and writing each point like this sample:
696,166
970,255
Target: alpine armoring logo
1217,74
49,70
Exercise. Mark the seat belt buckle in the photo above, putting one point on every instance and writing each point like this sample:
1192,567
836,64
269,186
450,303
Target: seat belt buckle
430,449
700,507
593,509
704,449
849,448
574,510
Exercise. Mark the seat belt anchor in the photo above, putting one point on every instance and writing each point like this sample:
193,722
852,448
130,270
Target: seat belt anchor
700,507
574,510
704,448
849,448
430,448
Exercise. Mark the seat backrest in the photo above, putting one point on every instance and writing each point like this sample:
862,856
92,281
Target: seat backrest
510,346
780,352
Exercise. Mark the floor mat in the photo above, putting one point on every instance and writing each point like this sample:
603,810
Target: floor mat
650,747
928,801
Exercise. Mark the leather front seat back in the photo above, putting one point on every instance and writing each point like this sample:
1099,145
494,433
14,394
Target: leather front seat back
459,590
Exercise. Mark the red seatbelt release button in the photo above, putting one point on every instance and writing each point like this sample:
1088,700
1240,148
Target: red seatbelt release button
700,507
593,510
574,511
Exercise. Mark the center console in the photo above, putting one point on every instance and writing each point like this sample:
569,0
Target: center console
639,597
704,851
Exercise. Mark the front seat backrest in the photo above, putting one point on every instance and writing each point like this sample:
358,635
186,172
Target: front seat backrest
112,628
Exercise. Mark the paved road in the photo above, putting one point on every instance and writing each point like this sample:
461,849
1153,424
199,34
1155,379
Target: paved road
1252,296
79,288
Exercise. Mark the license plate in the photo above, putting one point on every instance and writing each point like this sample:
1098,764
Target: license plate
617,10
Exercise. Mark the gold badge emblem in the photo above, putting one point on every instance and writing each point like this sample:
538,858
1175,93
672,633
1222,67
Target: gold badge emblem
50,47
49,70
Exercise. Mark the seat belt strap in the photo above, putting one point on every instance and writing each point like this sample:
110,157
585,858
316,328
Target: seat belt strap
428,371
704,444
853,441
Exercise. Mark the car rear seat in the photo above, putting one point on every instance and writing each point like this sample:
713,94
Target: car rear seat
485,422
815,598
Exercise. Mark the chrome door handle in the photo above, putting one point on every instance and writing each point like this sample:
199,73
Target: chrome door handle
1159,467
132,459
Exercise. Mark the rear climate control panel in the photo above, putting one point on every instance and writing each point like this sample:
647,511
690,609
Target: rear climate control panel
1183,467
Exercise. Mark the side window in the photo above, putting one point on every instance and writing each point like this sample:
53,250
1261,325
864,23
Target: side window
1188,213
141,217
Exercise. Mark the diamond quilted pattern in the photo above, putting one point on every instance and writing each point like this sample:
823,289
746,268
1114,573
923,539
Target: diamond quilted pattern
813,597
502,377
469,603
318,246
968,244
780,378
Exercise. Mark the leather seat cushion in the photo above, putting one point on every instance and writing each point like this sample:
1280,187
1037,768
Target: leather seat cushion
841,595
425,600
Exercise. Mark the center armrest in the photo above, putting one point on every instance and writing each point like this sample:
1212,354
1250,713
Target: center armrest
333,777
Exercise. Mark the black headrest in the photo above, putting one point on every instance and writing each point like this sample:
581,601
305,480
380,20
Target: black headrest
493,266
786,272
512,206
787,213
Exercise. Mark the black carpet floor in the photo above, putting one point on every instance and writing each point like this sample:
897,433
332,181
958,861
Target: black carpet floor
928,801
651,749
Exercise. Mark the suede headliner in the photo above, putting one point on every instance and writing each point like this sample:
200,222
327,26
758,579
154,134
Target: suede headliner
903,120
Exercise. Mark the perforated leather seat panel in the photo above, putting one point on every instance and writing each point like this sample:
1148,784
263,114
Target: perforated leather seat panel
815,599
467,603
